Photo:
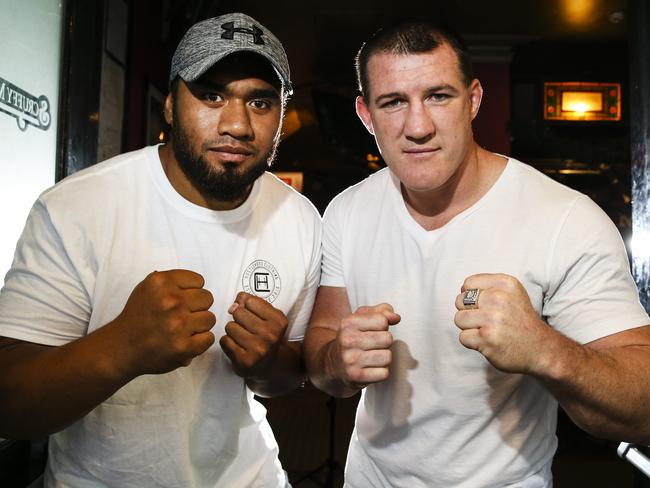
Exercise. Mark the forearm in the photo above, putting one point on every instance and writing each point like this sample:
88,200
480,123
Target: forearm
282,375
44,389
605,392
322,368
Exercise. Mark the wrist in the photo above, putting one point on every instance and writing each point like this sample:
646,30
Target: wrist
555,357
340,386
116,358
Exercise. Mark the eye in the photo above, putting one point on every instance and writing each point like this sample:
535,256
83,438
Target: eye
212,97
439,97
392,103
260,104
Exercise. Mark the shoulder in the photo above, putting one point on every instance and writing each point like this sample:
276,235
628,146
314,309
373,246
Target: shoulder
100,180
363,194
540,192
277,189
284,196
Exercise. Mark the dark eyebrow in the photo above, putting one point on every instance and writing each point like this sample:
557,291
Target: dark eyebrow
432,89
206,85
265,93
443,87
220,88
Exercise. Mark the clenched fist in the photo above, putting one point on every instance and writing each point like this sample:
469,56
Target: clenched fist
361,353
504,327
167,322
253,336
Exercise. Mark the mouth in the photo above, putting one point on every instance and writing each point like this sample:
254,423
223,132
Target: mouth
421,151
231,154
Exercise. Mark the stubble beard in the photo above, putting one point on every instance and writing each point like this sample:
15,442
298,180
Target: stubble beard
230,183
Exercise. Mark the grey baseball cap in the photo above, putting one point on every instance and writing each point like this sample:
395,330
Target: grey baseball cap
209,41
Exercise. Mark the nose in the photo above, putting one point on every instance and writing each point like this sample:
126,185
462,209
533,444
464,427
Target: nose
418,126
234,120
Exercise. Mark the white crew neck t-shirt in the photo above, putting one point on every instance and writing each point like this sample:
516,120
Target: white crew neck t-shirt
88,241
445,417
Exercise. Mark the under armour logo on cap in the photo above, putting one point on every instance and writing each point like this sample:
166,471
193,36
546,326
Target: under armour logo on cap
230,29
209,41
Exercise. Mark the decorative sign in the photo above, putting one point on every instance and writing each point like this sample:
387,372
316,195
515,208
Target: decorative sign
28,109
291,178
30,68
577,101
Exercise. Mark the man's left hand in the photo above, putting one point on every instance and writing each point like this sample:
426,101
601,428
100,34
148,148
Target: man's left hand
504,327
253,336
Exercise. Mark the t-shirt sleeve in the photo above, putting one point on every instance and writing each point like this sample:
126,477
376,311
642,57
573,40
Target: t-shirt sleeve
592,293
300,312
332,269
43,299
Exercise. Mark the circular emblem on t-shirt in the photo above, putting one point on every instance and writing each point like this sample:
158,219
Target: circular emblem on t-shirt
261,279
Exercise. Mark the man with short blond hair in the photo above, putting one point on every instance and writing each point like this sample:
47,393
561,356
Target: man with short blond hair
465,294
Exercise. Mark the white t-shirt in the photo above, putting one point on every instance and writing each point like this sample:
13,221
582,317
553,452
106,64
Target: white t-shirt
87,243
446,417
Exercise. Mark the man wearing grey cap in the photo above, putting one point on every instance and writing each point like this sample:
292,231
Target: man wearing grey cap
127,272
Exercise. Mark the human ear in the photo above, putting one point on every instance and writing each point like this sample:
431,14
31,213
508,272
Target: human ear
168,111
475,97
364,114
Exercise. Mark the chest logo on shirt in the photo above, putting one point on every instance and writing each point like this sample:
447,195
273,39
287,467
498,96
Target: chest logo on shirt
262,279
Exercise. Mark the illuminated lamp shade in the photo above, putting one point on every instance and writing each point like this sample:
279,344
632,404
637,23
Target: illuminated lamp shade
578,101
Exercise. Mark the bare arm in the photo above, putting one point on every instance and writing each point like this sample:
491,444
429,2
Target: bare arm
44,389
603,386
346,351
164,325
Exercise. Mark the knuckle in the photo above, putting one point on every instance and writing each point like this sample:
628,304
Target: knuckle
231,327
248,362
200,279
363,310
485,332
382,374
383,307
212,319
356,376
259,350
179,349
210,339
349,358
388,339
348,339
284,322
210,298
169,302
161,279
347,324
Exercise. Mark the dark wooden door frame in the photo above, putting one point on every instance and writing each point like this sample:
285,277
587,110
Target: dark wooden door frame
81,68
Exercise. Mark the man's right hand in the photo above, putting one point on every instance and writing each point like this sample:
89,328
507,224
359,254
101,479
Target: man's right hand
361,353
166,322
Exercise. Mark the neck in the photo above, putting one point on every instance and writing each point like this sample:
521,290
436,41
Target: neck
186,189
473,179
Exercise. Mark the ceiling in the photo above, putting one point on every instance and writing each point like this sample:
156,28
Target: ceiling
321,38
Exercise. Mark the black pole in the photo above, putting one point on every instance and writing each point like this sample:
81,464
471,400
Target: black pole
638,18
